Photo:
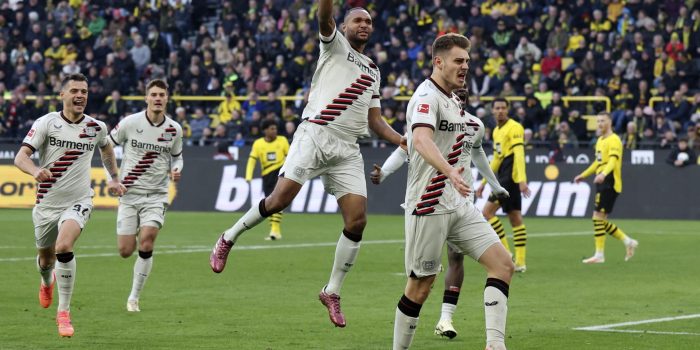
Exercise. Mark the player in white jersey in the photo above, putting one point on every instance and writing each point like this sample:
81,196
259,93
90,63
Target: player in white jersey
441,142
343,103
152,145
455,259
66,141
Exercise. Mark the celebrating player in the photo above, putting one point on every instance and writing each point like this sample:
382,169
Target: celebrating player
152,153
66,141
343,103
441,142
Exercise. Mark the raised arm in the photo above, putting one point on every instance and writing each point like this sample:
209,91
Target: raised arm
326,23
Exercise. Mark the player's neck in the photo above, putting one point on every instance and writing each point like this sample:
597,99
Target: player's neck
72,117
357,46
501,123
606,133
155,118
270,139
441,84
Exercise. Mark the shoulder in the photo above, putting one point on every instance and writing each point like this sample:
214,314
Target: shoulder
95,122
47,117
515,126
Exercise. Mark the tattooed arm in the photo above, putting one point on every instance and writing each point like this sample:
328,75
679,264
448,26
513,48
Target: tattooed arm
109,160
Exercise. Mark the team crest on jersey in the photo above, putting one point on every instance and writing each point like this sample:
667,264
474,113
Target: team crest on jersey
424,108
165,137
90,131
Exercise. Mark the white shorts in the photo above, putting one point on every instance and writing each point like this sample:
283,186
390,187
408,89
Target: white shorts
465,230
47,221
140,209
319,152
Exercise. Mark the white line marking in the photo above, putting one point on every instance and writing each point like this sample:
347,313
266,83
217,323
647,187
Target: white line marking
200,249
610,327
643,332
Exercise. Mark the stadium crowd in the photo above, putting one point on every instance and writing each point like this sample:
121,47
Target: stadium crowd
630,51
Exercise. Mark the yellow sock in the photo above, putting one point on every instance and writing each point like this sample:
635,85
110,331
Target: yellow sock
519,241
599,229
500,231
615,231
275,223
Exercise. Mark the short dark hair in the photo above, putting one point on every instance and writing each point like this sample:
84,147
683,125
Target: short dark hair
448,41
348,12
157,83
605,114
267,123
73,77
500,99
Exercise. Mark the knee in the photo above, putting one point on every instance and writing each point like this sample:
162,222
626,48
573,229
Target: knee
146,246
125,252
507,269
357,225
62,247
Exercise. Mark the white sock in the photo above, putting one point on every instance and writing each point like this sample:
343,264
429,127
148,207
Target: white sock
249,220
447,311
46,274
627,240
345,254
142,268
404,329
495,311
65,278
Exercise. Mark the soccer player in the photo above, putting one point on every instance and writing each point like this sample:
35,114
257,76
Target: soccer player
270,150
455,260
441,142
152,154
509,163
343,103
66,141
608,169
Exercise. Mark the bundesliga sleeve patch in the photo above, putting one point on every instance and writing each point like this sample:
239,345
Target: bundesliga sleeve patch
424,108
30,133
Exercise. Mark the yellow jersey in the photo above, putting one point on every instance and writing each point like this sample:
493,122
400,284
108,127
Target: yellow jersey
509,152
270,154
608,160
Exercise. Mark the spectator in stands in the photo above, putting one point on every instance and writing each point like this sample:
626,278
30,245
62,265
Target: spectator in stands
681,155
114,109
200,125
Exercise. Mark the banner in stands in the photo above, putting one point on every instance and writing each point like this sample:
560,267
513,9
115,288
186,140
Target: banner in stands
651,188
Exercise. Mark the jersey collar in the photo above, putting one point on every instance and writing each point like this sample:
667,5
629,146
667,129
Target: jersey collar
150,122
440,88
69,121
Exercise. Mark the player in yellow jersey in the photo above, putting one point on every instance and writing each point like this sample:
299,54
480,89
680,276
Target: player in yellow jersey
271,151
608,169
509,165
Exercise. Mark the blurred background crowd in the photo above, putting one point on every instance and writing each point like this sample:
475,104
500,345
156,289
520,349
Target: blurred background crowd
254,60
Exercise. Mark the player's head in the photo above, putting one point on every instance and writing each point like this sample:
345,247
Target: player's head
156,96
451,59
357,26
604,121
499,107
269,128
74,92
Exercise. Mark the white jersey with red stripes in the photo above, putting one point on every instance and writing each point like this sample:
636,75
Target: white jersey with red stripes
65,148
343,89
148,151
455,134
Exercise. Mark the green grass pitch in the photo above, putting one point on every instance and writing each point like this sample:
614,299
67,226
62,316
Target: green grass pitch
267,296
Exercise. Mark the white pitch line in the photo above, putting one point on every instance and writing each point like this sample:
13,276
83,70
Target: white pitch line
200,249
641,331
611,327
634,323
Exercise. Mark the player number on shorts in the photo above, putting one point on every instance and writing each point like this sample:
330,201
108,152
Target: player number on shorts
79,208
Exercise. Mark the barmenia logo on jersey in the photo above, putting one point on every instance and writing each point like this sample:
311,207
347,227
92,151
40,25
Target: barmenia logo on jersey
80,146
